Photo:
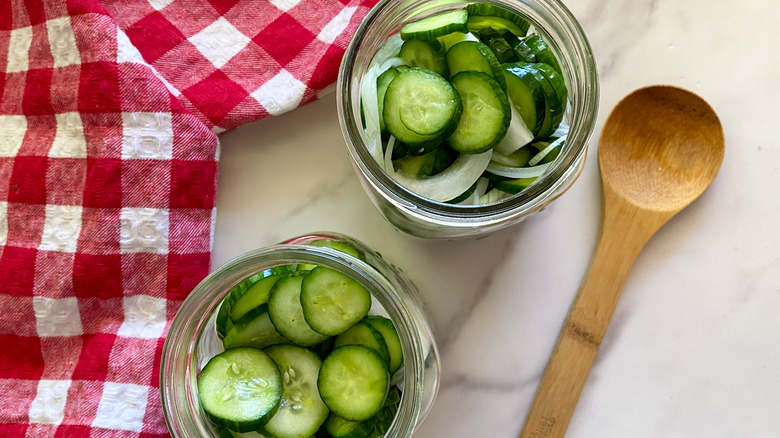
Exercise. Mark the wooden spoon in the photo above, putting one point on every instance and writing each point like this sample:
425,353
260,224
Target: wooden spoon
660,148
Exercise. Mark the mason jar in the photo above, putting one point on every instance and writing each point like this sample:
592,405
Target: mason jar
423,217
193,339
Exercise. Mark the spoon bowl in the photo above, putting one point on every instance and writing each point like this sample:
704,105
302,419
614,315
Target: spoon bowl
660,148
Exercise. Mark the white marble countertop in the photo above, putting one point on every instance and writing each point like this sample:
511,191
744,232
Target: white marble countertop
694,346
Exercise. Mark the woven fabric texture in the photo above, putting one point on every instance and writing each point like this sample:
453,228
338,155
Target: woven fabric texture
109,115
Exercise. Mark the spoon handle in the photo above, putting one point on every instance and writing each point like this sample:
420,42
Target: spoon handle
624,232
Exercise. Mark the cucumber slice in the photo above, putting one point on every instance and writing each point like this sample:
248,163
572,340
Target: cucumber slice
384,418
483,15
526,93
518,158
477,23
428,54
382,82
436,25
523,51
241,288
301,410
324,348
420,105
557,81
223,322
430,163
222,432
387,329
255,295
421,165
354,382
240,388
253,330
445,157
486,113
555,94
534,48
332,302
393,396
451,39
498,45
339,245
512,186
551,152
418,150
474,56
286,313
365,334
376,426
337,427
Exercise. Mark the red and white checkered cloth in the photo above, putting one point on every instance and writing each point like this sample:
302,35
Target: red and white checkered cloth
109,112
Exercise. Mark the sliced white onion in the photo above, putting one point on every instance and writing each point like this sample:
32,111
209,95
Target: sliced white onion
500,158
517,135
389,49
518,172
386,57
482,185
388,162
543,153
493,195
450,183
370,107
391,62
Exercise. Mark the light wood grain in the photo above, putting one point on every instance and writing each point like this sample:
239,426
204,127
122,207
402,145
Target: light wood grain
660,148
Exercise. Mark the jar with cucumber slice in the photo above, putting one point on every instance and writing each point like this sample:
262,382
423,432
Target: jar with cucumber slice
472,87
316,336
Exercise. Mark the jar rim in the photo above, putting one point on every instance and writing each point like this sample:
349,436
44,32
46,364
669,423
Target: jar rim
179,362
584,113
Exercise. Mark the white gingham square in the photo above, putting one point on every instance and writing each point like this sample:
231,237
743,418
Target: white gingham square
69,139
285,5
159,4
147,136
144,317
3,223
122,407
48,407
280,93
62,42
12,129
219,42
126,51
143,230
57,317
61,228
19,49
336,26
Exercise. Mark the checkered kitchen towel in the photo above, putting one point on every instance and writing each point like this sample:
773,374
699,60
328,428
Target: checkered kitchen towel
109,111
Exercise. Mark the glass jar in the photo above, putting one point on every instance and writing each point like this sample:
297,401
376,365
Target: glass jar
423,217
192,338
